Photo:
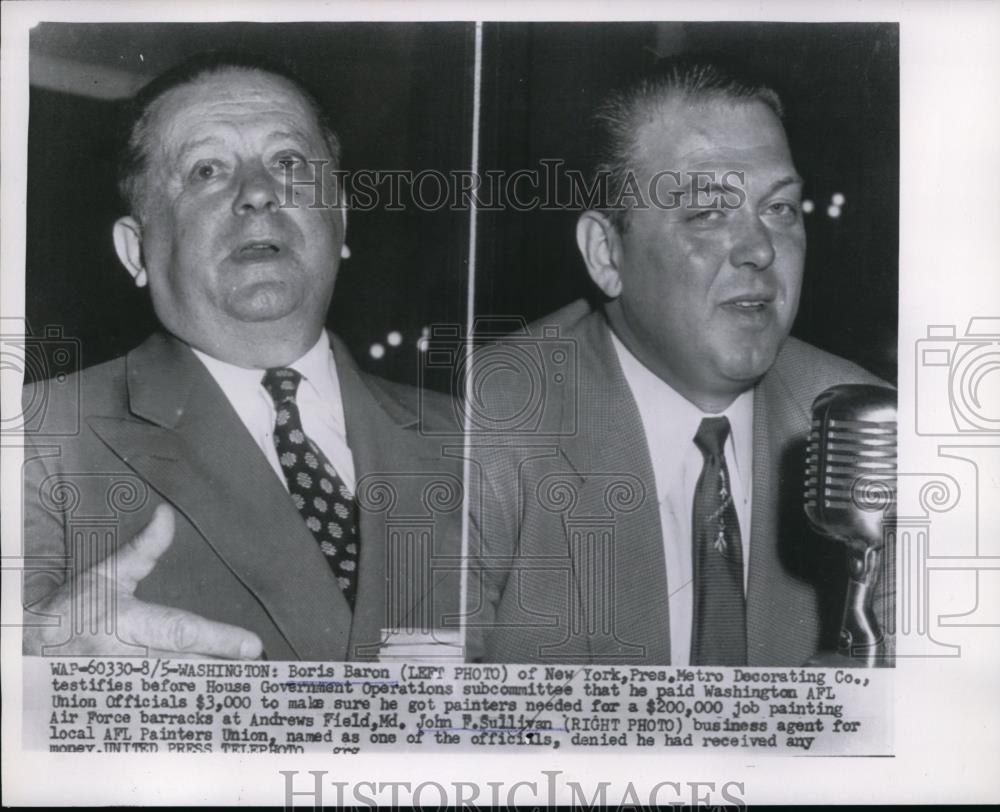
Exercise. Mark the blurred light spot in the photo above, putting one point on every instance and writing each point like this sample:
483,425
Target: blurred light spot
833,211
808,206
395,338
376,351
422,343
837,199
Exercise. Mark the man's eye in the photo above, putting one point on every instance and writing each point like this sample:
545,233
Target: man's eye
783,209
204,171
290,161
707,216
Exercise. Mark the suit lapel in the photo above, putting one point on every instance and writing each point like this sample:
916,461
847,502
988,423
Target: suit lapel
610,454
390,455
191,447
611,440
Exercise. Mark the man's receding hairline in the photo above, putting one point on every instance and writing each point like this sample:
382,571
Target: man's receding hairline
217,72
649,113
647,110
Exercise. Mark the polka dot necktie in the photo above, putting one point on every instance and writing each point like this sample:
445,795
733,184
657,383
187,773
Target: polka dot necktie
719,633
322,498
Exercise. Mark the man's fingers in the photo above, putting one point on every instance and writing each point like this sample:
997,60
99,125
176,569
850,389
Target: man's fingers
180,632
157,628
136,558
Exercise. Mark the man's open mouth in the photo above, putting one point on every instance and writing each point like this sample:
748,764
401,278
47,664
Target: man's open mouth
748,304
257,250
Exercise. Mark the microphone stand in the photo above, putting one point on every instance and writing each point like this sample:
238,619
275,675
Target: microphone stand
860,635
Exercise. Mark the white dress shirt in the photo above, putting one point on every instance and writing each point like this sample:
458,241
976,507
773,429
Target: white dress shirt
671,422
318,399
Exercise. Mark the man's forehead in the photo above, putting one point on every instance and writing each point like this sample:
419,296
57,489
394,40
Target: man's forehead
713,135
235,95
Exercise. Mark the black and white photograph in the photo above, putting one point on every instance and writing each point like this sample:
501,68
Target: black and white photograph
486,393
249,535
668,316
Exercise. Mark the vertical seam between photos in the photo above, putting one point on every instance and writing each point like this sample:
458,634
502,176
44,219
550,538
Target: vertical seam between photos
469,313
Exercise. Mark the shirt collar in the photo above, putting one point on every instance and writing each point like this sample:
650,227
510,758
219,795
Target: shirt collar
674,420
319,372
237,382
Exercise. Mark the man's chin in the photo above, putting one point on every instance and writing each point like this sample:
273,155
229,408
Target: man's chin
264,302
746,368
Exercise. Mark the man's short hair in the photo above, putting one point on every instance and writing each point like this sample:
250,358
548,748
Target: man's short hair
133,157
617,119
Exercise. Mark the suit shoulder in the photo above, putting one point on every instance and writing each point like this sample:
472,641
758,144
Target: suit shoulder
810,370
55,405
510,373
435,410
566,320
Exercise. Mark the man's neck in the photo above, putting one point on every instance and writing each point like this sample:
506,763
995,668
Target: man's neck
709,402
251,352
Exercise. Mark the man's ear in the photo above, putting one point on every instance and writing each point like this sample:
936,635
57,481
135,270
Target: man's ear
601,247
128,245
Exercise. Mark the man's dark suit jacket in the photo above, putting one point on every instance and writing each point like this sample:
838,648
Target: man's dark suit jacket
153,426
570,567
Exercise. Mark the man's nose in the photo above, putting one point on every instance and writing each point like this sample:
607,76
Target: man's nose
257,191
754,248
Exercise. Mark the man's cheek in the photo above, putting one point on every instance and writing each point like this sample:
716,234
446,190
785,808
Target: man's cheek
791,244
701,255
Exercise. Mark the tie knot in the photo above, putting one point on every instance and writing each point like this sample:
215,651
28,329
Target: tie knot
711,436
281,384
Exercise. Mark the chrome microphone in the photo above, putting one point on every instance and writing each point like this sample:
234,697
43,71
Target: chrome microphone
850,488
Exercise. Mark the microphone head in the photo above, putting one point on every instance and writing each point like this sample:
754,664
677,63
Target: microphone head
850,478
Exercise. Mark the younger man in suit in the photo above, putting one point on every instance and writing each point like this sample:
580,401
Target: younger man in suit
657,517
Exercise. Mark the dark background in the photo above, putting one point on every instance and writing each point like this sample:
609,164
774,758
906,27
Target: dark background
399,95
840,87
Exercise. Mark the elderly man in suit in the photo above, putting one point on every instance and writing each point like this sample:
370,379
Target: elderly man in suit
233,450
653,514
